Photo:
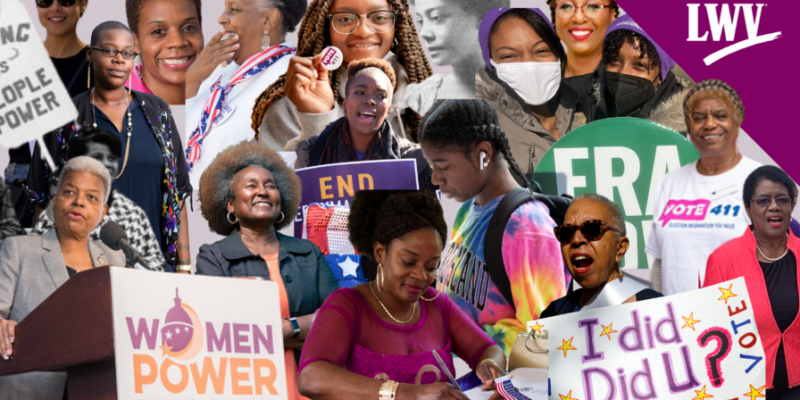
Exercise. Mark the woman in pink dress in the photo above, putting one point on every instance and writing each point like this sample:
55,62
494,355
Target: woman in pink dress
378,337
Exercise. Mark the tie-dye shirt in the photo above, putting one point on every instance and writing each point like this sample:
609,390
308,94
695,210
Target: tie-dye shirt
533,262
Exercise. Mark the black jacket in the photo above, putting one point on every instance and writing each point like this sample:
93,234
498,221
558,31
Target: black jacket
568,303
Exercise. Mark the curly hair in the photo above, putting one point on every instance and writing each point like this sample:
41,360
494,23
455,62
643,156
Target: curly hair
552,3
462,124
356,67
133,9
314,35
384,215
79,144
713,88
615,40
216,183
767,173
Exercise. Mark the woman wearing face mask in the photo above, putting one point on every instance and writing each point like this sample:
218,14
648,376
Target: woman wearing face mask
522,80
168,38
593,243
714,113
308,97
450,31
640,80
219,101
581,25
472,163
766,256
363,133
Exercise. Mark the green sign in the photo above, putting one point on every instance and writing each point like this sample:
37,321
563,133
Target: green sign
623,159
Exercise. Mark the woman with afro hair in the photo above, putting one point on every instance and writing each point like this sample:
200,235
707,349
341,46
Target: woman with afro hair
377,337
308,97
472,163
248,194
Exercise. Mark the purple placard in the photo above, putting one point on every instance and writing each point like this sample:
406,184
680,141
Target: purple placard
337,183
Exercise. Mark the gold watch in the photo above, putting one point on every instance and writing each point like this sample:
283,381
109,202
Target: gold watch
388,390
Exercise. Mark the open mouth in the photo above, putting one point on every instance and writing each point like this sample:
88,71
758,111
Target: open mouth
775,221
228,35
580,34
364,47
57,20
177,63
582,263
711,137
366,117
262,204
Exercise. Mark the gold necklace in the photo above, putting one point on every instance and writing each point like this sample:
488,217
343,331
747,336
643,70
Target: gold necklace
70,261
413,309
130,126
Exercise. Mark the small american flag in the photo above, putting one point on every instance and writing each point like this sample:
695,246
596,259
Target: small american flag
507,390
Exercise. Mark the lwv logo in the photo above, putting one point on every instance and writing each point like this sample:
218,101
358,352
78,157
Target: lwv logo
723,23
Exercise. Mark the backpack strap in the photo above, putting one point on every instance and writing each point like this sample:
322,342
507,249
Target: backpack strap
493,241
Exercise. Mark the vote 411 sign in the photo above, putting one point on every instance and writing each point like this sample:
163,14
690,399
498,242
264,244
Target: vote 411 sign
696,345
623,159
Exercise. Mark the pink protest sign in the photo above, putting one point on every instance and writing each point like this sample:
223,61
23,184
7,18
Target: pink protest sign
697,344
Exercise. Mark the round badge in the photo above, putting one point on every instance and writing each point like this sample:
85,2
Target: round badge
332,58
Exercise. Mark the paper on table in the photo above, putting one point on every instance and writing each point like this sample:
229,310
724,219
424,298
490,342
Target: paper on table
531,382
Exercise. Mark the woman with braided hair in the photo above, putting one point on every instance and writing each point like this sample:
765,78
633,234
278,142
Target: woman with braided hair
377,337
707,192
308,97
472,163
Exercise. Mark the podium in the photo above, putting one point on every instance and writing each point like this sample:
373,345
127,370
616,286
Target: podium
130,334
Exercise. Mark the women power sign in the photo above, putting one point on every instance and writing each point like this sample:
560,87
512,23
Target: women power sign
623,159
696,345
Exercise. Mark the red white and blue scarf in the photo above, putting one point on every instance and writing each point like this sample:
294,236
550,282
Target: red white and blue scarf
253,66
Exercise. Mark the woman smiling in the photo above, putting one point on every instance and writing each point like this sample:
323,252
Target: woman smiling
168,38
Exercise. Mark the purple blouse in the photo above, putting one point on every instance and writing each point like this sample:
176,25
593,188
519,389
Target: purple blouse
348,333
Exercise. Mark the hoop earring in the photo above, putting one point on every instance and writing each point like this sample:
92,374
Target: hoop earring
265,40
89,76
380,271
236,219
282,218
434,297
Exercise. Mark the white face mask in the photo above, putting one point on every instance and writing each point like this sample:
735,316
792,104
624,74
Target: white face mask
535,82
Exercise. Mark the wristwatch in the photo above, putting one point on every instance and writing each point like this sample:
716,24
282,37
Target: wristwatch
183,268
295,325
388,390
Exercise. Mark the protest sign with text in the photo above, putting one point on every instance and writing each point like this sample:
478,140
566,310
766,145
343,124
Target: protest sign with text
623,159
698,344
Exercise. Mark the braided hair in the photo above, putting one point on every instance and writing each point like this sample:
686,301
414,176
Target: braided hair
615,40
384,215
713,88
462,124
314,35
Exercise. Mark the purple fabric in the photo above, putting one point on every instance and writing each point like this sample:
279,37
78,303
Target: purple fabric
794,226
348,333
486,28
626,22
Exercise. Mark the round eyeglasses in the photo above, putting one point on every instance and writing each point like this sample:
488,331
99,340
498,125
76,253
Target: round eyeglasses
590,10
112,52
347,22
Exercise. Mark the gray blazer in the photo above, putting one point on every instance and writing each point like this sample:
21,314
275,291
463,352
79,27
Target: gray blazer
31,269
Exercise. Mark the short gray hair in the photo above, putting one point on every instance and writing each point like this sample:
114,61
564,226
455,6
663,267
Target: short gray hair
87,164
617,217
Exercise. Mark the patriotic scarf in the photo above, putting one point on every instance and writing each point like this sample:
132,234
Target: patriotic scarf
507,390
253,66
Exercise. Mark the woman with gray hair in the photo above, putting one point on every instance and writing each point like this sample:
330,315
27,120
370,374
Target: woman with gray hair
593,243
33,267
248,193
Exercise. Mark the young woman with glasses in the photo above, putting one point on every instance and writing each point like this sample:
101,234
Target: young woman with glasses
308,98
593,243
153,169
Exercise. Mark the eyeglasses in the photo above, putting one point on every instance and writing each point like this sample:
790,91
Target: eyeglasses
112,52
592,230
590,10
781,201
347,22
48,3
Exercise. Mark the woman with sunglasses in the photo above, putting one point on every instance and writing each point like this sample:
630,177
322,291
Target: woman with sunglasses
152,170
593,243
766,256
699,206
472,163
308,98
219,101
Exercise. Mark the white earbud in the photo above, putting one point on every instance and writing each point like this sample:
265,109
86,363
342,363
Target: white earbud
483,164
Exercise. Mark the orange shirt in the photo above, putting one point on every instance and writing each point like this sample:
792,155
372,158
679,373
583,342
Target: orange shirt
291,364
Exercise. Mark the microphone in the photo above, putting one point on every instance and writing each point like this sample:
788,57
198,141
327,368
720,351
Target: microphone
114,237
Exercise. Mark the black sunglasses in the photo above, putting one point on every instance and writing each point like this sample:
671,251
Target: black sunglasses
591,230
62,3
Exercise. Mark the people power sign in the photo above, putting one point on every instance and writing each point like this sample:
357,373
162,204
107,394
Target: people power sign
33,101
696,345
182,341
623,159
